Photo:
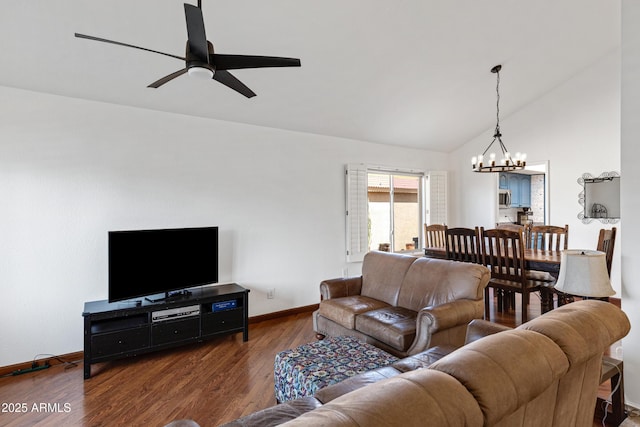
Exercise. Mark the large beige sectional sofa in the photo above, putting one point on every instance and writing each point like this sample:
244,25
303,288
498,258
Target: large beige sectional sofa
544,373
403,304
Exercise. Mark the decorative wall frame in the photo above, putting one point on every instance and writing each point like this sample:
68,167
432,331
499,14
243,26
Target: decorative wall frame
600,198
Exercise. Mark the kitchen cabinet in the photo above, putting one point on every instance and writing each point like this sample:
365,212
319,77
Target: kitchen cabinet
503,181
520,186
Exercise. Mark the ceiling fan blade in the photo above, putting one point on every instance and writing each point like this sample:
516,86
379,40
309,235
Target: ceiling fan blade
227,79
168,78
234,62
84,36
197,42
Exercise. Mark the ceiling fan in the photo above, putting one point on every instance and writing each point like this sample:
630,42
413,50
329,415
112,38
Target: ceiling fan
201,61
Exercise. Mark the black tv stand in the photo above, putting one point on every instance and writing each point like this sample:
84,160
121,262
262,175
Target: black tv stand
116,330
171,296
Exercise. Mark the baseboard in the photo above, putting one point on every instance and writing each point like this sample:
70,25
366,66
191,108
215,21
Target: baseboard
51,360
283,313
78,355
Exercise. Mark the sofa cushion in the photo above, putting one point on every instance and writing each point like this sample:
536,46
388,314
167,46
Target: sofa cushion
596,321
382,275
431,282
276,415
423,359
413,399
394,326
501,379
344,310
330,392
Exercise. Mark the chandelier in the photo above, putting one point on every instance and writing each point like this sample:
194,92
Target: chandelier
507,162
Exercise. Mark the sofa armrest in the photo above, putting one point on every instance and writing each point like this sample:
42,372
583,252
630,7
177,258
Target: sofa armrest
479,328
439,318
343,287
278,414
330,392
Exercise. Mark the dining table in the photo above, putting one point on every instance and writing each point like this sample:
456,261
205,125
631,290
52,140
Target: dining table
535,259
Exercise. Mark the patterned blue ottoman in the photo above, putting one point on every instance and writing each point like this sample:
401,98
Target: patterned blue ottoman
303,370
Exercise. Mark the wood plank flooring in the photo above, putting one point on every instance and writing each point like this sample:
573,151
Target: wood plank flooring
211,383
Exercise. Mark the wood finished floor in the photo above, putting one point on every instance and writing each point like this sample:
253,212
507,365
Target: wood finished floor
211,383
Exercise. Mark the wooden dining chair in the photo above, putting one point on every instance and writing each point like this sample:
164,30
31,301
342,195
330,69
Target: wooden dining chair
606,243
463,244
434,235
549,237
524,229
503,253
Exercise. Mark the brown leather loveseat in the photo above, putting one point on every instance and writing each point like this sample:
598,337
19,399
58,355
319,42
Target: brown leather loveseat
403,304
544,373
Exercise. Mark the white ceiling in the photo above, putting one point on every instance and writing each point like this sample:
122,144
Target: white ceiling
414,73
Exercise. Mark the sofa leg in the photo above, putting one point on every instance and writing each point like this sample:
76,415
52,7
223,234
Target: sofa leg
320,337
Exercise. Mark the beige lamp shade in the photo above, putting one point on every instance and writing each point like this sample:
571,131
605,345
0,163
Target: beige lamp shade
584,273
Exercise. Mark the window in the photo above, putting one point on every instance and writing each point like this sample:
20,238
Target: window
386,209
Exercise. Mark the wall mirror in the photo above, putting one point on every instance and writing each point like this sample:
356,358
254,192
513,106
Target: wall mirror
600,197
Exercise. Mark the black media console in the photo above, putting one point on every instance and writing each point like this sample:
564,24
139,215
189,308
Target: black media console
125,329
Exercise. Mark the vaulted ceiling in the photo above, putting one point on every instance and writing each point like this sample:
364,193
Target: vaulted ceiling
414,73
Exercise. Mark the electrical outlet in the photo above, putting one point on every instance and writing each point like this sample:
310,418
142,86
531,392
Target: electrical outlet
271,293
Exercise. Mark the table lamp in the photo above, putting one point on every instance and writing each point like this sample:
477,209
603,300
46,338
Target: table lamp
584,273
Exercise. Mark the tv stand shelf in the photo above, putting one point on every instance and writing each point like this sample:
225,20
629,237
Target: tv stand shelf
126,329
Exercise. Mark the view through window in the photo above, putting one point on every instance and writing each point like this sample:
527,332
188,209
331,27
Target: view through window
394,211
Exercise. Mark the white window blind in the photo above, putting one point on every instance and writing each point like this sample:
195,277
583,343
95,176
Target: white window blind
356,212
437,198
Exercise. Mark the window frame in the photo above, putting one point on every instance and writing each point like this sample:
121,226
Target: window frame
432,204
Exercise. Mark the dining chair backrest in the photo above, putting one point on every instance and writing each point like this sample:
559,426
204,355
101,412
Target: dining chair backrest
509,226
606,243
548,237
463,244
524,229
503,253
434,235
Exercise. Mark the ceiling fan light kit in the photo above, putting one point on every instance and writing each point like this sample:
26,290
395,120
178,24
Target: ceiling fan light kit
200,60
200,73
508,162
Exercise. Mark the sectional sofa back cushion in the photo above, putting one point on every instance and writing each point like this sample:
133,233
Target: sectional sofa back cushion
582,330
415,399
509,374
382,275
432,282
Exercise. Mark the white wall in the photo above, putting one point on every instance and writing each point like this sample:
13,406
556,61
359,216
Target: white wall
576,127
630,202
70,170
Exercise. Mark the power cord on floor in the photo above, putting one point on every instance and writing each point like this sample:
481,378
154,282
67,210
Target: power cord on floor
607,403
66,363
35,365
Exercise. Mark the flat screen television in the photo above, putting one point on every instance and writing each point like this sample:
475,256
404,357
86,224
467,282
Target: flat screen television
144,263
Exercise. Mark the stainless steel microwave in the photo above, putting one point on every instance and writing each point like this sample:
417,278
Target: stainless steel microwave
504,198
